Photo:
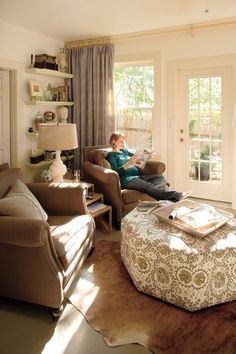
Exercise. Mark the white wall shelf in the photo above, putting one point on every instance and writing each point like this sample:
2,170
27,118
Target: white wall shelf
33,134
48,103
48,72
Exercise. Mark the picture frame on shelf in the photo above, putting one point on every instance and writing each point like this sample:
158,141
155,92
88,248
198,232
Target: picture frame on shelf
35,90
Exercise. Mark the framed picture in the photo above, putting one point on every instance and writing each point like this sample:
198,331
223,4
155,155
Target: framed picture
35,88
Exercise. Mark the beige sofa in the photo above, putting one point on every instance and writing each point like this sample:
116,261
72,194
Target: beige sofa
40,258
97,170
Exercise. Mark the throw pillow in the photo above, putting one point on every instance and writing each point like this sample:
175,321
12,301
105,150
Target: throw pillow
21,202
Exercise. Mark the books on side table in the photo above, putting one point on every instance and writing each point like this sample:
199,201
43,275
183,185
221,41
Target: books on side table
95,207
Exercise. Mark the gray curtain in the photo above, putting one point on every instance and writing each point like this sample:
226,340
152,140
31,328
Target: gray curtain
91,90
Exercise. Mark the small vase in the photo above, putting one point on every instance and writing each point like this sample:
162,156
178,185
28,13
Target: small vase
48,93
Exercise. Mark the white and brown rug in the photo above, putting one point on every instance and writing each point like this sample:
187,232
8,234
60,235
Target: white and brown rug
112,305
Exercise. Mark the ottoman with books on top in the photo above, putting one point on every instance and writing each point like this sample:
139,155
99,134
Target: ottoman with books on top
192,271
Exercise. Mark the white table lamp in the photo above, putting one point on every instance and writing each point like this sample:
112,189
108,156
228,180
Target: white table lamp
57,137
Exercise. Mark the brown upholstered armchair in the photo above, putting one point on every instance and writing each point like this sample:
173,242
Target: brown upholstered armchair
40,258
97,170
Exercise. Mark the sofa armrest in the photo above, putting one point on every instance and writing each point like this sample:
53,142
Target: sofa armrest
153,167
60,198
23,232
29,265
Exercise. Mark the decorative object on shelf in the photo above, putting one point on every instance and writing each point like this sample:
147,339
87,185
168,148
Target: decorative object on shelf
48,94
45,175
62,114
57,137
49,155
38,119
69,174
35,90
49,116
60,93
31,61
36,156
45,61
77,175
62,61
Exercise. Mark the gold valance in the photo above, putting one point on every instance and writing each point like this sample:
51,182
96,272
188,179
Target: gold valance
88,42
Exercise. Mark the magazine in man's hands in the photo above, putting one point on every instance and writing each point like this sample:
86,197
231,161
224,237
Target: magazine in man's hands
142,155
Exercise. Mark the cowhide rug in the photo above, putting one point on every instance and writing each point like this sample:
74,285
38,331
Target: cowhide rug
113,306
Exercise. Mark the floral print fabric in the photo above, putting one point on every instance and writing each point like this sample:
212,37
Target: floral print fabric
176,267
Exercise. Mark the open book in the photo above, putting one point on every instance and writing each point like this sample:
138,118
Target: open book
142,156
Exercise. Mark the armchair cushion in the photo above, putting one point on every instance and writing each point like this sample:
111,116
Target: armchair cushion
21,202
99,157
64,232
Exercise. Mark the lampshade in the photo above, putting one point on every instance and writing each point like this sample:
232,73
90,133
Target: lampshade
57,136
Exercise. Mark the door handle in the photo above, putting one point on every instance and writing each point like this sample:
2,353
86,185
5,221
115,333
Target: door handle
181,140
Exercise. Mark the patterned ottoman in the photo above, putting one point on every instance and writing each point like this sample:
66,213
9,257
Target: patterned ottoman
176,267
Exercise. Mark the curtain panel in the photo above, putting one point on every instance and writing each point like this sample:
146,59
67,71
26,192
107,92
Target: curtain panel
92,92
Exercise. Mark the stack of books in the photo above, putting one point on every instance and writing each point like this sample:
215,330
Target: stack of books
95,207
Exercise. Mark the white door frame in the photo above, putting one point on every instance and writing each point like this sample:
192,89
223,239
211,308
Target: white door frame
15,75
173,68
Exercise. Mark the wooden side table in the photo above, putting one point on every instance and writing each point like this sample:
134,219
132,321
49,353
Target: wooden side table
100,214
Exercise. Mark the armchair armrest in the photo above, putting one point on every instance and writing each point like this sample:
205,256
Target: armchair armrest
153,167
60,198
28,262
101,174
107,182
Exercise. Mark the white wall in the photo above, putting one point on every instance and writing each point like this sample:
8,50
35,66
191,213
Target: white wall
177,49
17,44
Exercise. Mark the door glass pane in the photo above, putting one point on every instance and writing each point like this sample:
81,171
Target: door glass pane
205,129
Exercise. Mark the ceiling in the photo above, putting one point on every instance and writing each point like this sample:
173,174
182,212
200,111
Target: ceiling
69,20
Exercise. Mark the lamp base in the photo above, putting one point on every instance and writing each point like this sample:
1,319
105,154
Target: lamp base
57,169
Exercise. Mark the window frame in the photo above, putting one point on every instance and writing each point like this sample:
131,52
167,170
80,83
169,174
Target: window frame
153,59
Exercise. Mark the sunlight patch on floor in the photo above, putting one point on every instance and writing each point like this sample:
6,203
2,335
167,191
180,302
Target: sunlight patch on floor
86,291
64,332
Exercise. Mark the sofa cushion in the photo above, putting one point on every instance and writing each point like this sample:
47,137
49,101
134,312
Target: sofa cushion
69,235
8,178
21,202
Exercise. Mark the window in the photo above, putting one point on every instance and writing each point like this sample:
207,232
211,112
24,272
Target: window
134,103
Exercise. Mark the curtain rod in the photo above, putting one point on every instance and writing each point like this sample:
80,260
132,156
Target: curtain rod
88,42
191,28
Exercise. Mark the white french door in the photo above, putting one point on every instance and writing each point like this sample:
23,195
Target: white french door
203,148
4,117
